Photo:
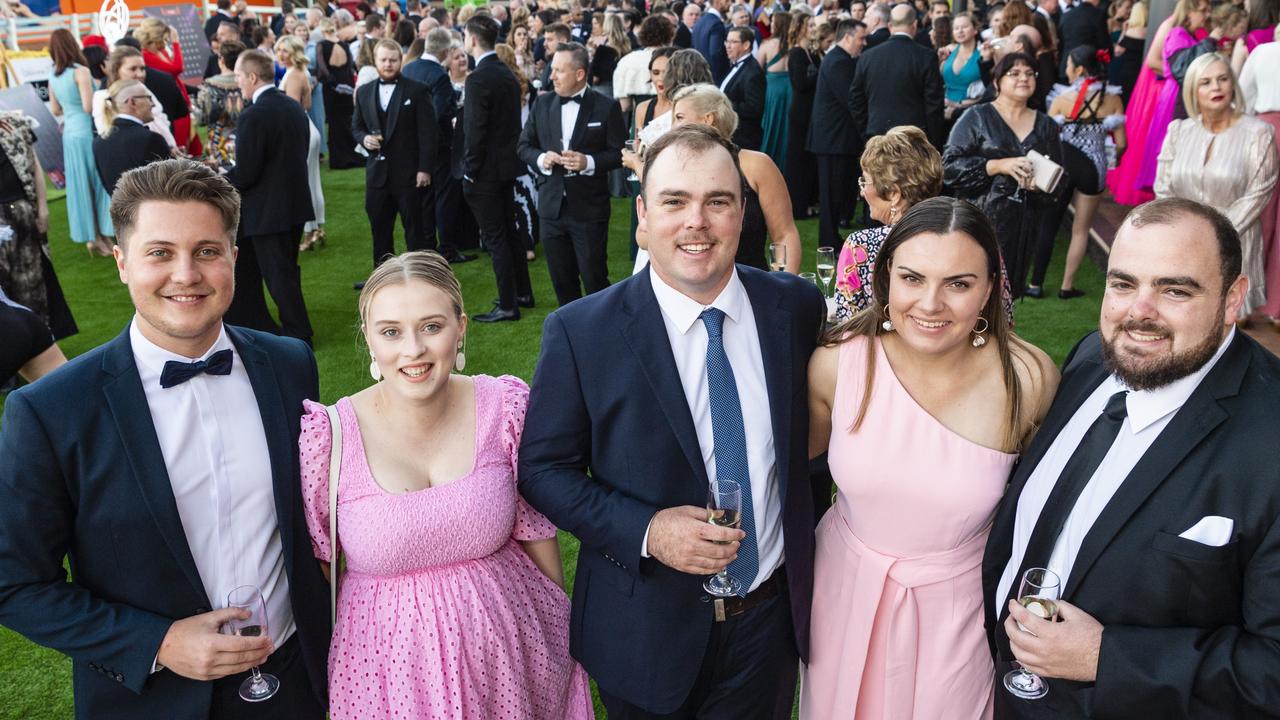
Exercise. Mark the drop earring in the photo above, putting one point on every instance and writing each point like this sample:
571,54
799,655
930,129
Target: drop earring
460,362
888,323
978,339
374,371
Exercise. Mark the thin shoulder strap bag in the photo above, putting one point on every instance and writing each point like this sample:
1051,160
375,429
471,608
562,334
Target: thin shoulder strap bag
335,467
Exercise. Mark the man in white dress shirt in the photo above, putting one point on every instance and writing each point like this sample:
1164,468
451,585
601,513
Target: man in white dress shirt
163,465
1151,492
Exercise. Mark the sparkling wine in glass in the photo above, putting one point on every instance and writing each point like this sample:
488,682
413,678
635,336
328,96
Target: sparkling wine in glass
1038,593
724,509
632,146
778,257
259,685
826,267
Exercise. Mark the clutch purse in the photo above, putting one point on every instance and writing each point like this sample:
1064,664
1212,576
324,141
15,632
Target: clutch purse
1047,173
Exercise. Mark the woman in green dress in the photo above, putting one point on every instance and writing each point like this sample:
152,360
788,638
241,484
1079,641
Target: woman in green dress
772,56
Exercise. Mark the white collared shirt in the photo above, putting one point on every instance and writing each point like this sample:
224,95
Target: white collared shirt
215,453
385,90
127,116
568,121
258,93
1149,412
484,55
733,71
681,315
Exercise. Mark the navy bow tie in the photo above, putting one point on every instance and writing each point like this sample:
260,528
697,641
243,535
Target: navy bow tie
571,98
176,373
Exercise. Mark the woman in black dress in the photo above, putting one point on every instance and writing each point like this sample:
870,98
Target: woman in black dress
986,162
336,73
802,169
28,349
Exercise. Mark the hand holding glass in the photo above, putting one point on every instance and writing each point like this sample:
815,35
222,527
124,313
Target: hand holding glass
724,509
1038,593
259,685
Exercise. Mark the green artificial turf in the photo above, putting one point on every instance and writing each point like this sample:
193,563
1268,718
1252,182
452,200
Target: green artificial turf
35,683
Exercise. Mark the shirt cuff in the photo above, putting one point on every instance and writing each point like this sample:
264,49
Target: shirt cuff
644,544
591,166
541,167
155,665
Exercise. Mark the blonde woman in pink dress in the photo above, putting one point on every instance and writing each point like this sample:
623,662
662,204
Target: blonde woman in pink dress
450,607
922,402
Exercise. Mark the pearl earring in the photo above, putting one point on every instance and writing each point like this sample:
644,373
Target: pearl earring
374,371
460,362
888,323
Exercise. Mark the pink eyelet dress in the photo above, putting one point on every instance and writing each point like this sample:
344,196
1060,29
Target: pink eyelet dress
441,613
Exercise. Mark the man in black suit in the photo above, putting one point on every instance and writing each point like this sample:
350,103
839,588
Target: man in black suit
221,14
1086,24
188,488
130,144
745,87
490,166
429,70
684,29
1152,492
634,386
709,38
833,136
226,32
899,83
573,139
271,175
395,122
877,19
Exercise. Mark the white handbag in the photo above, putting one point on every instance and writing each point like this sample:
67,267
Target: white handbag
1047,173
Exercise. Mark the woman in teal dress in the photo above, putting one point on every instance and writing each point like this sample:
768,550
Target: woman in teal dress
71,95
960,70
777,95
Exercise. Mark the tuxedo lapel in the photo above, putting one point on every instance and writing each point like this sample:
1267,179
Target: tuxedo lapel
554,124
127,403
773,327
370,110
646,335
393,109
584,116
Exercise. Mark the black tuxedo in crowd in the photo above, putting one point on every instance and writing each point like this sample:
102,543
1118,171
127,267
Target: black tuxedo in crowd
745,89
490,166
166,90
275,202
1190,630
575,234
1086,24
876,38
408,128
432,74
899,83
130,145
684,36
835,142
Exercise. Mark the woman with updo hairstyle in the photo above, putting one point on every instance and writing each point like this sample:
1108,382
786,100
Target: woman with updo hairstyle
335,71
291,54
162,51
922,403
452,592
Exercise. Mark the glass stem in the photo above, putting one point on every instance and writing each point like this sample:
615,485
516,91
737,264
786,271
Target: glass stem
257,676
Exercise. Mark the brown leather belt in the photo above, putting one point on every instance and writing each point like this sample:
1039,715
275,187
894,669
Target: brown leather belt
726,608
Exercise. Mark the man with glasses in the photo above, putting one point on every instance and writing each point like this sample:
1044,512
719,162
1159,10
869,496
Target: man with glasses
129,143
744,86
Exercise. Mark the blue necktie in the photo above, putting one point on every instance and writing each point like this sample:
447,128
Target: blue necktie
176,373
730,439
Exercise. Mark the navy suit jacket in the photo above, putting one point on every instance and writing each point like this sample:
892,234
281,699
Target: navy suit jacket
436,78
83,477
708,38
609,441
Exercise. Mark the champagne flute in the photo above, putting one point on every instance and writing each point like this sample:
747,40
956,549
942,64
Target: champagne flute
826,268
724,509
810,277
259,685
632,146
778,257
1039,593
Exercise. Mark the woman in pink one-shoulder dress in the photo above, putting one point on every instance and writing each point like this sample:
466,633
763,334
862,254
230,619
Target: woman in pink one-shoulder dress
450,607
921,402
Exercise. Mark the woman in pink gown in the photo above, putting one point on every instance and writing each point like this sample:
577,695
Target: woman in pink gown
450,607
922,402
1189,17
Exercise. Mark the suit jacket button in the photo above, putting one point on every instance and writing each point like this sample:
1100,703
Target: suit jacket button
704,598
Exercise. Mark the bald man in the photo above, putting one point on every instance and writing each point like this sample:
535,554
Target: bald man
898,83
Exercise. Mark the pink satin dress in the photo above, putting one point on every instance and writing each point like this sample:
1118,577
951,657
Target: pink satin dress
897,603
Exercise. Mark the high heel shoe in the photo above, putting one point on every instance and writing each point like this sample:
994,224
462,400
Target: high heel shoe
309,241
100,246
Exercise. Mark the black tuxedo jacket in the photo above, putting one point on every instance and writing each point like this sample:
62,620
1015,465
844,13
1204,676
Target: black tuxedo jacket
684,37
899,83
1190,630
166,90
876,38
492,123
271,165
746,91
600,132
436,78
130,145
1086,24
408,133
831,128
83,477
607,400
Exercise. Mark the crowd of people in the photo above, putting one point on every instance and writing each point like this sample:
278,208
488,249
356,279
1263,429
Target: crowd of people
887,499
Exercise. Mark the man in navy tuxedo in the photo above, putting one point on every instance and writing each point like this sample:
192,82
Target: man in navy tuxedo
690,371
708,38
163,466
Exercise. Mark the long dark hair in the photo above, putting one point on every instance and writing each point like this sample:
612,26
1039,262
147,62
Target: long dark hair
1086,58
940,215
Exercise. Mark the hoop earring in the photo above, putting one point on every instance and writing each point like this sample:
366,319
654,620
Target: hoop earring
460,362
978,339
374,371
888,323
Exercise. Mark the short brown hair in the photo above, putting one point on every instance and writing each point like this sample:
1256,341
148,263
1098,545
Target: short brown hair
696,139
427,266
172,181
903,158
257,62
388,44
1168,211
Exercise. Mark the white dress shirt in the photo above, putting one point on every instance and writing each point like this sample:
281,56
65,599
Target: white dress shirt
215,452
1149,412
568,122
688,336
258,93
1259,80
385,90
733,71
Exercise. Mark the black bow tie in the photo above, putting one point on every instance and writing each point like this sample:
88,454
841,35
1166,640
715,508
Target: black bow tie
571,98
383,83
176,373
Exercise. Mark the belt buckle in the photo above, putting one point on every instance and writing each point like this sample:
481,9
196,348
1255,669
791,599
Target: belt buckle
719,605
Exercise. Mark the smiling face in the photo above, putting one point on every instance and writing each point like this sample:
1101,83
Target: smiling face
1164,312
179,263
1019,83
691,209
413,331
962,30
1214,89
938,286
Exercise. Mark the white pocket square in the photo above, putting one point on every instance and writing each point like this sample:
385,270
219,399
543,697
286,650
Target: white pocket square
1212,530
406,102
591,124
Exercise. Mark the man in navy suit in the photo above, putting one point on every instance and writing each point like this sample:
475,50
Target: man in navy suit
690,371
708,38
163,466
